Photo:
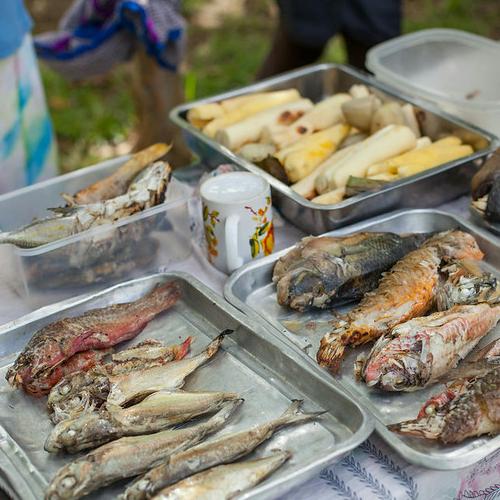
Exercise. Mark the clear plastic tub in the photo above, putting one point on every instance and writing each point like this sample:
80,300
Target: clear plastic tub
458,71
131,247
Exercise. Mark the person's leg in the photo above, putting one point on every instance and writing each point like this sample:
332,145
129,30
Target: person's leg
286,54
156,91
304,29
366,23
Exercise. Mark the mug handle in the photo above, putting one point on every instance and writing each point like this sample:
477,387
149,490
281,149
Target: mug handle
233,260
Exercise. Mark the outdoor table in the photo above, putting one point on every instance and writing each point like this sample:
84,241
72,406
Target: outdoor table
371,471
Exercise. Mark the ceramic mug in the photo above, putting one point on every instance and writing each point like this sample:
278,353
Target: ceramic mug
237,218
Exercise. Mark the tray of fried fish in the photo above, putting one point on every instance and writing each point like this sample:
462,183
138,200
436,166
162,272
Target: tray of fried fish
158,388
401,312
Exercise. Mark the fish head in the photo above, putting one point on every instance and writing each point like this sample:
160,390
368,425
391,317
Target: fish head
71,480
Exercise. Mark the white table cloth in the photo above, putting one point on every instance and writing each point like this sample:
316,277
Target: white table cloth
371,471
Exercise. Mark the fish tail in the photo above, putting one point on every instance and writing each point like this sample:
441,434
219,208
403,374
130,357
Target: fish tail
294,415
429,428
224,413
214,346
182,350
330,353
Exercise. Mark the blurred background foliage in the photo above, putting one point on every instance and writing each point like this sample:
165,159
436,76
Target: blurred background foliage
227,40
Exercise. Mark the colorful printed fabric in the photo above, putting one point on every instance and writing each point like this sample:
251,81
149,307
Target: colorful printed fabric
27,147
96,34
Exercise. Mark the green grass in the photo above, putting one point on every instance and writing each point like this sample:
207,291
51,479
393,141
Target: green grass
90,114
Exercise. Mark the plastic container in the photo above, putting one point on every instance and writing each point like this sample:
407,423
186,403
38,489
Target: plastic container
458,71
94,259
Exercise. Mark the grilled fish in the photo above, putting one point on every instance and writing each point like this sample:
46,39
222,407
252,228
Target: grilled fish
90,389
486,189
156,412
129,456
227,448
407,291
131,387
224,481
420,351
147,191
471,410
96,329
117,183
319,272
466,283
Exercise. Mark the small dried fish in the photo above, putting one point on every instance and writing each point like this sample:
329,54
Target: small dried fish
131,387
319,272
83,390
154,413
96,329
471,408
407,291
420,351
145,192
224,481
466,283
129,456
227,448
118,182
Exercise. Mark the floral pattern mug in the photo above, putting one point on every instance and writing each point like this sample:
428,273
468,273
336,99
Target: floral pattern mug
237,218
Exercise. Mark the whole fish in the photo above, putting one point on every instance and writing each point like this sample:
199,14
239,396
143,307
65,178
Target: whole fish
466,283
224,481
319,272
472,411
147,191
96,329
132,387
227,448
118,182
130,456
407,291
420,351
89,389
154,413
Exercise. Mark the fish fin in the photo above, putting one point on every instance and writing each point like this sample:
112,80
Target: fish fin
69,199
330,353
62,210
293,414
182,350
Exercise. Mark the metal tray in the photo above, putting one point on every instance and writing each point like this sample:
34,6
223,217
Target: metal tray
494,227
251,290
262,368
317,82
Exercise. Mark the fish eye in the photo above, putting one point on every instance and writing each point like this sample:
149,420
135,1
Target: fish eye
64,389
68,482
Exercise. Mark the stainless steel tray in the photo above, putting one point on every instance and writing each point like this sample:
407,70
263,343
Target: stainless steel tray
251,290
494,227
316,82
262,368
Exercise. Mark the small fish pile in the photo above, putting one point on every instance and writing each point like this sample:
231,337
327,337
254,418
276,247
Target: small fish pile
147,190
407,291
128,413
134,433
468,407
62,347
321,272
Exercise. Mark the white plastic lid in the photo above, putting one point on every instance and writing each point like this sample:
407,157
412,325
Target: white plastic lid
442,64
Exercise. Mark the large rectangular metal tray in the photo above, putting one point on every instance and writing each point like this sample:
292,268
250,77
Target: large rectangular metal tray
252,291
264,370
317,82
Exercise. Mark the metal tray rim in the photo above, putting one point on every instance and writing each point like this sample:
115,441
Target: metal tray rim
408,453
175,116
360,435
